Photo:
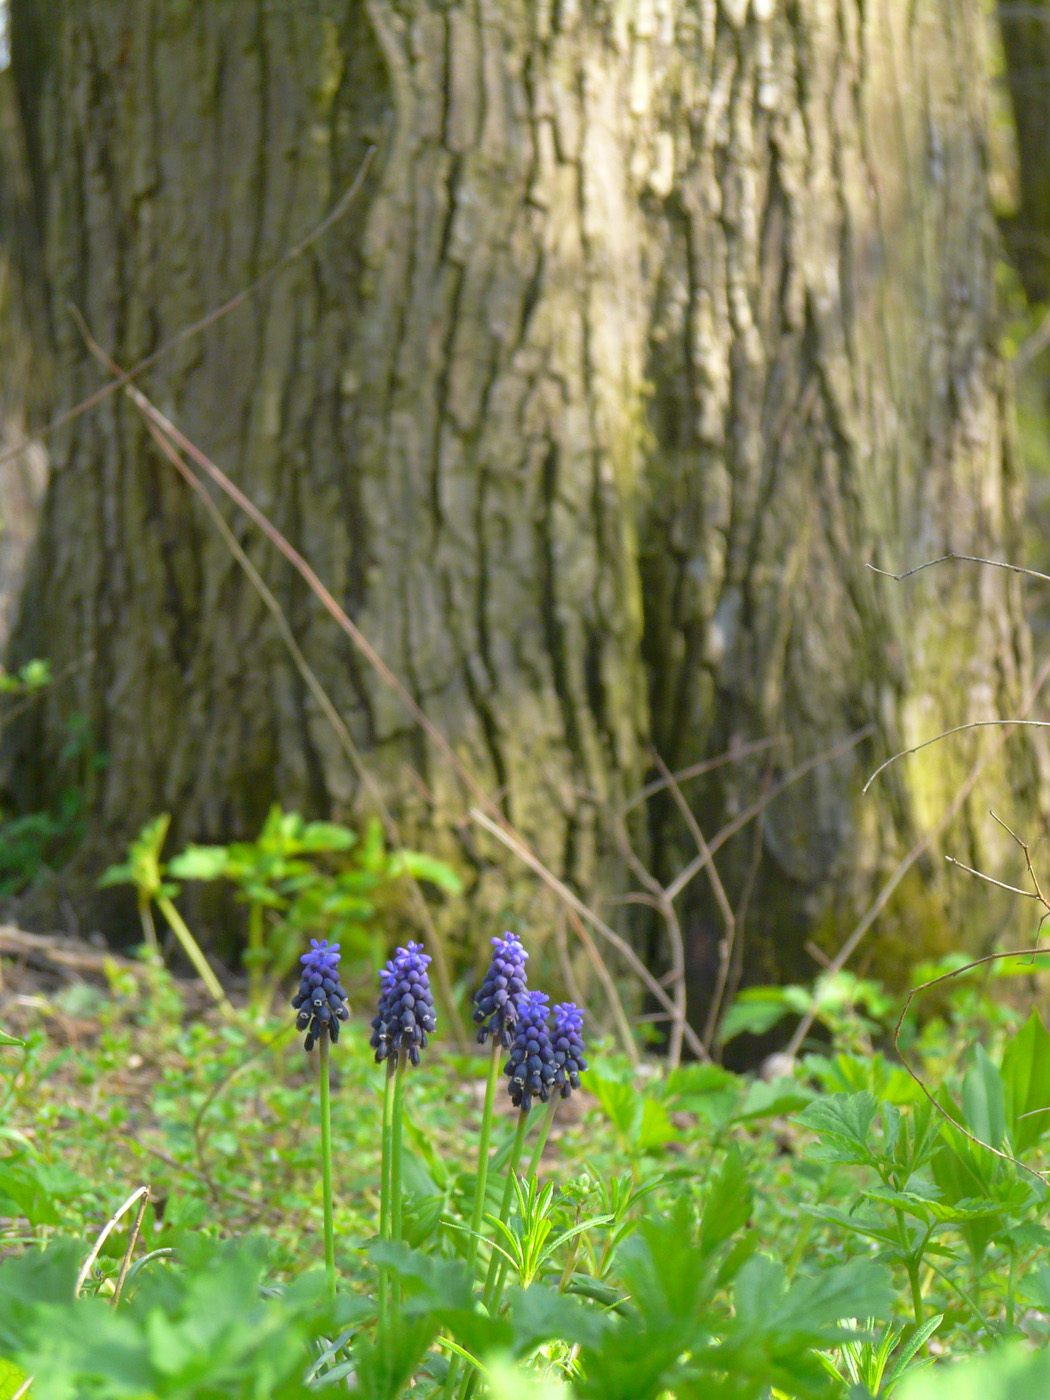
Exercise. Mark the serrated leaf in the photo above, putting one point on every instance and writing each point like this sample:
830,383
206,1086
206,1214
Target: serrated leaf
923,1208
728,1203
842,1122
856,1225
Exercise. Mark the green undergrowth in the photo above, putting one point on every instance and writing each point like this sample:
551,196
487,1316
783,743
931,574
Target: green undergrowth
692,1233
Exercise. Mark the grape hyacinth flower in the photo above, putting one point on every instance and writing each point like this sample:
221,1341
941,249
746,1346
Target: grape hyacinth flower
496,1000
568,1046
531,1067
320,1000
321,1004
406,1013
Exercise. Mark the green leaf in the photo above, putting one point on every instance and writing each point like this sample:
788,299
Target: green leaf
12,1379
775,1099
755,1011
1026,1084
928,1210
22,1189
200,863
621,1102
984,1104
423,867
1010,1373
842,1122
6,1039
540,1314
728,1203
655,1129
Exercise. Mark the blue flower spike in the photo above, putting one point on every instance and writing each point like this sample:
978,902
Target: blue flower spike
406,1013
496,1000
569,1050
532,1068
320,1000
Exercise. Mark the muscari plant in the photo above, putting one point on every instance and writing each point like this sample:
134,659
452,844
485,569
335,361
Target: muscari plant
321,1006
544,1065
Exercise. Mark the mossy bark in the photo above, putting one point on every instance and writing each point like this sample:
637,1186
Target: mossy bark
653,325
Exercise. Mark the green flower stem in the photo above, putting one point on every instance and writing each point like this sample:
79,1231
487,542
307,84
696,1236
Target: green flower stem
491,1296
385,1194
483,1152
192,949
148,929
479,1186
395,1157
544,1133
326,1162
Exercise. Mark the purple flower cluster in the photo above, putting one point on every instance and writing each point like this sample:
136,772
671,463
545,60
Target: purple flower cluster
320,1000
406,1005
496,1000
567,1043
531,1067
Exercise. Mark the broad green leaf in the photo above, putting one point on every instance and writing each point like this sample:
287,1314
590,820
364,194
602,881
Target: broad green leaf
423,867
21,1187
1026,1084
755,1011
12,1379
984,1105
1010,1373
200,863
621,1103
772,1100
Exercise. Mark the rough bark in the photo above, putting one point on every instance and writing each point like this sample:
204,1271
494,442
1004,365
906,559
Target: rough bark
1025,31
656,322
22,476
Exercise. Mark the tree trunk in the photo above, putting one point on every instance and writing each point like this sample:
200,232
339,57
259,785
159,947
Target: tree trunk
653,325
1025,31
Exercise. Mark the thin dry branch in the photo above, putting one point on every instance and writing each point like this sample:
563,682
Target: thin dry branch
1027,859
139,1195
990,880
694,867
954,558
621,945
957,729
657,899
216,314
708,765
